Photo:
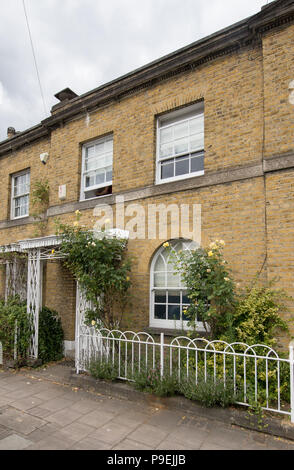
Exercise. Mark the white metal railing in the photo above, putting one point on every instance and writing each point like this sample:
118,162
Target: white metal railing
255,371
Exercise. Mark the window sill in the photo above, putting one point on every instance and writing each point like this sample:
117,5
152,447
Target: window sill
172,332
180,178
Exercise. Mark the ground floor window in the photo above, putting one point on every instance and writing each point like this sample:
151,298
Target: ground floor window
168,294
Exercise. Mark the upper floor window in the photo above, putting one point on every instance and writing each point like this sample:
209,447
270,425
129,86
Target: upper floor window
97,167
180,144
20,194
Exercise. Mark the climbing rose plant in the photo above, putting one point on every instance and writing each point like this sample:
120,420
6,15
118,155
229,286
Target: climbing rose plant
251,315
210,287
102,267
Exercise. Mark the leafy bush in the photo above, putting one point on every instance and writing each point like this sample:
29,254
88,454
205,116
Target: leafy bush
151,381
210,287
50,336
209,392
256,317
103,370
102,267
12,313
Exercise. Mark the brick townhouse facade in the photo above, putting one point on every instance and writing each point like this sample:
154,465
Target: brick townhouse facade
210,124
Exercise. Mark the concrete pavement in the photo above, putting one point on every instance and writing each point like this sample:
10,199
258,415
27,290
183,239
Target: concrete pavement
36,413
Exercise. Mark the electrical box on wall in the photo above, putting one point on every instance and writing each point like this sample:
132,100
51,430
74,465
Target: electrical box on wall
62,192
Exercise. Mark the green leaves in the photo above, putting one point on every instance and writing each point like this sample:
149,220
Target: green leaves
210,287
14,318
102,267
50,336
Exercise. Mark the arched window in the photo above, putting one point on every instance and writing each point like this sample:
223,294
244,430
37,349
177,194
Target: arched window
168,294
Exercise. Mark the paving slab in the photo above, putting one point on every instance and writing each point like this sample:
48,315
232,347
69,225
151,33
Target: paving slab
63,417
56,404
85,406
39,412
52,442
88,443
20,421
166,419
111,433
77,431
14,442
97,418
149,435
26,403
129,444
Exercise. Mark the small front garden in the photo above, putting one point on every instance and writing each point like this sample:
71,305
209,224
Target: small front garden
16,331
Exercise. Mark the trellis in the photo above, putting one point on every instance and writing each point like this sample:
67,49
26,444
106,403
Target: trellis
37,250
24,276
16,278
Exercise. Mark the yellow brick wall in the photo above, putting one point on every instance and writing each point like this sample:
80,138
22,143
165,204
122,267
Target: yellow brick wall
278,59
27,157
59,294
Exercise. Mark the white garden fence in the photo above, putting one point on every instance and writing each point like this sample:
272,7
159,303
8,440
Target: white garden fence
256,372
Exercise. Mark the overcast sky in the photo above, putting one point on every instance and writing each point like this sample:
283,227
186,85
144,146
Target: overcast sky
82,44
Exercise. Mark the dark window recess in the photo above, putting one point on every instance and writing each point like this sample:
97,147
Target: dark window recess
98,192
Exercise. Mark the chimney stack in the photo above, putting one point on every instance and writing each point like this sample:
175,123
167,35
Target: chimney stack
10,132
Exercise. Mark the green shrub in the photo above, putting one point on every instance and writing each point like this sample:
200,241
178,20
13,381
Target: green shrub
103,370
257,315
209,392
150,381
12,313
50,336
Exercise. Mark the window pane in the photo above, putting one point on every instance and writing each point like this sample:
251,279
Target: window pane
166,135
99,148
160,296
166,150
197,124
173,279
109,174
182,166
90,151
197,163
90,180
174,312
160,312
100,177
108,146
181,146
167,169
159,279
160,264
185,298
197,142
181,130
174,297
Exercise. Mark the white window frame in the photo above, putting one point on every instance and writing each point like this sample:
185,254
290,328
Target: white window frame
179,116
13,197
83,172
168,324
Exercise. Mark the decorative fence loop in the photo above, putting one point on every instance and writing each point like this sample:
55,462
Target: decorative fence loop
256,372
